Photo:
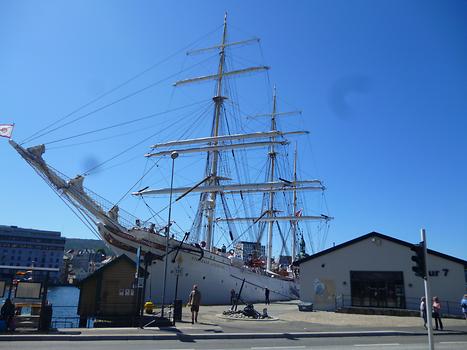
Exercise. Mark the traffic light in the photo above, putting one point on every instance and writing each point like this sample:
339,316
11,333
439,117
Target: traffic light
419,258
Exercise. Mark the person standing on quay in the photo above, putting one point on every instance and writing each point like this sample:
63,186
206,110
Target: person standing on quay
464,305
266,296
437,313
232,297
7,313
423,310
194,300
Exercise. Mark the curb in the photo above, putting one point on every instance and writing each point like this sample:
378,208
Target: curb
182,336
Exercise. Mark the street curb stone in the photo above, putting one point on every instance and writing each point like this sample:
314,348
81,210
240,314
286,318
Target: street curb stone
185,336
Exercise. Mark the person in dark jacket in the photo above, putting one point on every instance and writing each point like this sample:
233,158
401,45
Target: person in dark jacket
266,296
7,313
437,313
233,297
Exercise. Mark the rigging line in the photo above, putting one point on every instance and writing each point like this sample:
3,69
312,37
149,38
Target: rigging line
88,225
125,123
283,239
137,182
267,72
157,214
110,137
136,76
195,122
117,155
151,211
134,93
124,151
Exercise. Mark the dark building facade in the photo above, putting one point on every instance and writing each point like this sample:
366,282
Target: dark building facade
28,247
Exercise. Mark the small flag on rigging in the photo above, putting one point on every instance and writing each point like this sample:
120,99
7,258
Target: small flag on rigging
6,130
299,213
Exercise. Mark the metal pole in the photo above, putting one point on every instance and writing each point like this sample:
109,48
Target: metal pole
42,315
143,294
136,283
428,301
174,155
178,270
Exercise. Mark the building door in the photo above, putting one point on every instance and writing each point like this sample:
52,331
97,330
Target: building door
377,289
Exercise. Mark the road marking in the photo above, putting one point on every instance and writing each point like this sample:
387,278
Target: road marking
388,344
453,342
278,347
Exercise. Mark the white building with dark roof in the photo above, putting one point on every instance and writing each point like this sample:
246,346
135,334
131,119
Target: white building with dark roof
375,271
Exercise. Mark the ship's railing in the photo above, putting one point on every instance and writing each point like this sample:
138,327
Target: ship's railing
125,219
65,316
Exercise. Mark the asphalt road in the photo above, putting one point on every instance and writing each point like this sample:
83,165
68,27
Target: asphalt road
451,342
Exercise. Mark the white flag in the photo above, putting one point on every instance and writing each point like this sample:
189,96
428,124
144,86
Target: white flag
6,130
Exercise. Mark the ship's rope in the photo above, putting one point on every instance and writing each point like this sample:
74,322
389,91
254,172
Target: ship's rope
124,123
80,215
112,103
42,132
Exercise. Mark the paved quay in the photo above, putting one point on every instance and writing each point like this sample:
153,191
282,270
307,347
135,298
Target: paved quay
287,322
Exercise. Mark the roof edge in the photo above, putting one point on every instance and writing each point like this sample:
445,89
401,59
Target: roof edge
379,235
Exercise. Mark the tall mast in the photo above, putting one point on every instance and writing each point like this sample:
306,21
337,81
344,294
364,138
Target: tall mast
272,155
294,223
218,100
208,205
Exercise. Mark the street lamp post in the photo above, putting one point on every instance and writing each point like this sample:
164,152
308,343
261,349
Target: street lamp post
174,155
178,271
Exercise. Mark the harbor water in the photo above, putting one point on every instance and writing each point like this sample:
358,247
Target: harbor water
64,300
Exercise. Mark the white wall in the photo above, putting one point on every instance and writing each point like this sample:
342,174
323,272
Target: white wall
327,276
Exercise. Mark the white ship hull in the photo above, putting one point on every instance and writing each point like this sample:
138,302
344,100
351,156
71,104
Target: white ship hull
214,273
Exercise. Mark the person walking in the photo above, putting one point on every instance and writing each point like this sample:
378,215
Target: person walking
464,305
437,313
7,313
423,310
232,297
266,296
194,300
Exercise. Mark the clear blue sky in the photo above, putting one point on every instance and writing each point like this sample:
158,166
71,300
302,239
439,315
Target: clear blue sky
382,86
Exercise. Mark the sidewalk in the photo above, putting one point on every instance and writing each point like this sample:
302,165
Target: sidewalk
288,323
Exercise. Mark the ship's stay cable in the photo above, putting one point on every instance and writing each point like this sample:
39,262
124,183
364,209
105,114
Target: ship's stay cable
236,119
126,133
261,55
240,236
138,181
124,83
191,128
82,217
117,155
284,238
134,93
124,123
232,230
154,214
177,121
122,152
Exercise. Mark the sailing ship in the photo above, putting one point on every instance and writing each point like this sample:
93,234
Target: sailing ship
178,262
